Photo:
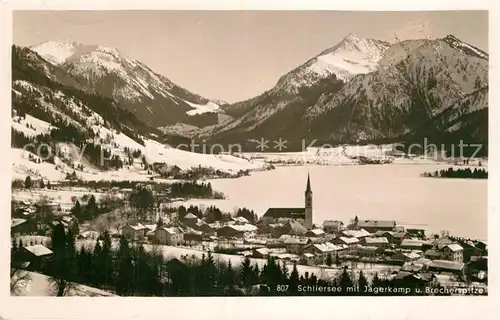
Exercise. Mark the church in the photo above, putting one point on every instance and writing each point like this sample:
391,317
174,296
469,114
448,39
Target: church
302,214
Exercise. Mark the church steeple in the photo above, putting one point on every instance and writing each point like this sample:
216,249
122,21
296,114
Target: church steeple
308,204
308,187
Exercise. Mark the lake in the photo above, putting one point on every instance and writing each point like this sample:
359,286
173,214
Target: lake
383,192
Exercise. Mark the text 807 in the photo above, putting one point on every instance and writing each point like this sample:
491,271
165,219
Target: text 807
282,287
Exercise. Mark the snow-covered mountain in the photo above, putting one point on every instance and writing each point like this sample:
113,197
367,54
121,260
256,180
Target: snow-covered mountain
385,92
352,56
152,97
88,133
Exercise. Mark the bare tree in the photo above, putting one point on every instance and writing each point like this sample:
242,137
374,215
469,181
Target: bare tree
62,287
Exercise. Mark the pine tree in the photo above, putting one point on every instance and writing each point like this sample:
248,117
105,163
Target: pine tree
77,210
28,183
21,245
91,209
362,282
294,280
345,281
125,268
246,278
42,185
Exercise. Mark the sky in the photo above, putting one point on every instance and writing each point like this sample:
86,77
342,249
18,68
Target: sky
236,55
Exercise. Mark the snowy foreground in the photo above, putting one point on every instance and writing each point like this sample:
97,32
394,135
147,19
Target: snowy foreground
39,285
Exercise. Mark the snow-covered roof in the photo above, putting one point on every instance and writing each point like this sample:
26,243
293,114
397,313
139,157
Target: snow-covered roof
356,233
39,250
243,227
317,232
241,219
326,247
379,240
455,247
190,216
136,227
349,240
16,221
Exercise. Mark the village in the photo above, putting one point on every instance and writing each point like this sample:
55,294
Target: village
286,235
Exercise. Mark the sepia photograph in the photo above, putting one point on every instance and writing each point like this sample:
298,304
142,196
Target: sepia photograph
190,153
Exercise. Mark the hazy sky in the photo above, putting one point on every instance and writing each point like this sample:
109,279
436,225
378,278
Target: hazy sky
234,55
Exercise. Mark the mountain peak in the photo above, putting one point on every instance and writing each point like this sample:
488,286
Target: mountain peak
58,52
466,48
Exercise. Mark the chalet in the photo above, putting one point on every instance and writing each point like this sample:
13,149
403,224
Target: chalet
237,231
314,233
134,231
296,245
36,255
481,245
333,226
321,251
376,225
240,220
207,230
457,268
172,236
453,252
398,237
308,259
380,242
350,242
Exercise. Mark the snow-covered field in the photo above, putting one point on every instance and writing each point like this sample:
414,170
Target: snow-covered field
39,285
25,161
59,195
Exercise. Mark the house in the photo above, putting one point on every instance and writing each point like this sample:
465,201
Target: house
192,236
415,244
407,256
333,226
360,234
308,259
172,236
398,237
286,228
134,231
296,245
407,279
386,234
380,242
260,252
237,231
453,252
240,220
321,251
314,233
368,251
21,226
457,268
481,245
207,230
36,255
433,254
375,225
350,242
470,250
